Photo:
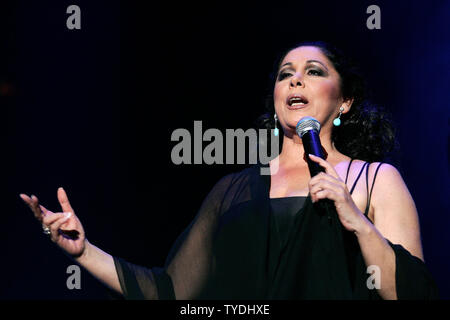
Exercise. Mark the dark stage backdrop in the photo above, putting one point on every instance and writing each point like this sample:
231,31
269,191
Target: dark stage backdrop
93,110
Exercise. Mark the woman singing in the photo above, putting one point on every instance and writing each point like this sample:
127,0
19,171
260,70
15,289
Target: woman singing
265,236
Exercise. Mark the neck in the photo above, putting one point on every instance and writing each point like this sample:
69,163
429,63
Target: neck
293,152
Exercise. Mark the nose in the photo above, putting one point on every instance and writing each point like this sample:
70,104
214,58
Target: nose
296,80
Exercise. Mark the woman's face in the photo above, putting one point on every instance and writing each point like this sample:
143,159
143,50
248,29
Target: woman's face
307,85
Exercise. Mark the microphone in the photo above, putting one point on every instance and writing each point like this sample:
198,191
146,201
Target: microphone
308,130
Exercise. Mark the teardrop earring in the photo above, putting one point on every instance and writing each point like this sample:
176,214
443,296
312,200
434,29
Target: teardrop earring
275,131
337,121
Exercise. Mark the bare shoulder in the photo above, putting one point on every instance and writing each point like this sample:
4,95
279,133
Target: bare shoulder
389,189
394,211
352,167
389,182
387,170
384,177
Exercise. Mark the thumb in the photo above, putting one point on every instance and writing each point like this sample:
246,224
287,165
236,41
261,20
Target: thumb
64,201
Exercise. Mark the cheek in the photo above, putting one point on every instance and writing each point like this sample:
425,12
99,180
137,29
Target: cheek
327,90
277,94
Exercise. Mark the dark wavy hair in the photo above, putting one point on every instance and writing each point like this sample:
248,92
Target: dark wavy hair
366,131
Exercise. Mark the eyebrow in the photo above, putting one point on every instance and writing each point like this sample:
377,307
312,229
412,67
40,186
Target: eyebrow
290,63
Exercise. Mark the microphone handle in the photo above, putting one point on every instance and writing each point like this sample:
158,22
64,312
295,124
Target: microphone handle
311,144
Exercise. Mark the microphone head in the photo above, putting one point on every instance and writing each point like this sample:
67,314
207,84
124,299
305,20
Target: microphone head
305,124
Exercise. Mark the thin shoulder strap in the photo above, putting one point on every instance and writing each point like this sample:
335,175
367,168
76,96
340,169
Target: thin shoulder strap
348,169
369,195
356,181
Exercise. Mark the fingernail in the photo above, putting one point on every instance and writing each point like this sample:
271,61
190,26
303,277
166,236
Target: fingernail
67,214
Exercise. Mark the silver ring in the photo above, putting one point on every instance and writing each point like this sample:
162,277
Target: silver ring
46,230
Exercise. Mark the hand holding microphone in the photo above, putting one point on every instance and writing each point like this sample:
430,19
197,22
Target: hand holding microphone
326,187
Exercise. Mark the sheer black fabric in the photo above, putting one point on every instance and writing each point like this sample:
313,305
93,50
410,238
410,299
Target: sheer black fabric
242,245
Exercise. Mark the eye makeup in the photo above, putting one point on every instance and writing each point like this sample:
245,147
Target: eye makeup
310,69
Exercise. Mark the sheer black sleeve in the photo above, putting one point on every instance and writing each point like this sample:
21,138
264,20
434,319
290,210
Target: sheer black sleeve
413,279
190,261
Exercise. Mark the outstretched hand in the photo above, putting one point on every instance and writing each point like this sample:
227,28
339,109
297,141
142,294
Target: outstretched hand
66,229
328,185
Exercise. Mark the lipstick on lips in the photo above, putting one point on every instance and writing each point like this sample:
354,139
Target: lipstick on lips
296,101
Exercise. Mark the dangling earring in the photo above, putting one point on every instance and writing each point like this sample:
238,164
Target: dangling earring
275,131
337,121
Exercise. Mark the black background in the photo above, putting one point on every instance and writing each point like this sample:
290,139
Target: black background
93,110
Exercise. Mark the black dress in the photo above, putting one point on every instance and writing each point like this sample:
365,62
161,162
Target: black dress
243,245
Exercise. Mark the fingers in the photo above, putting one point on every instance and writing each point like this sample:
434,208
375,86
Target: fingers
321,176
326,194
330,173
26,199
55,221
325,186
50,219
325,164
33,203
45,211
63,200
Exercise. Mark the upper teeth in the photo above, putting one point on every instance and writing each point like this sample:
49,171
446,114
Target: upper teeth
296,101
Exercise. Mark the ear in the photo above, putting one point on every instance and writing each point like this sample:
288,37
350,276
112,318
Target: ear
347,104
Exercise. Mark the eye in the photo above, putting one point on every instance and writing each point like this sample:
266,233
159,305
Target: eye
283,75
315,72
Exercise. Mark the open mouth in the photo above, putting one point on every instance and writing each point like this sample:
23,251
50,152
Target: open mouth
296,101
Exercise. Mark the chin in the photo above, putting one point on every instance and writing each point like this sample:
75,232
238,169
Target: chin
293,119
291,125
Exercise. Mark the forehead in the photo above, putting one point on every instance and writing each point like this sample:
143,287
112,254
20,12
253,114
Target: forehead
302,54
